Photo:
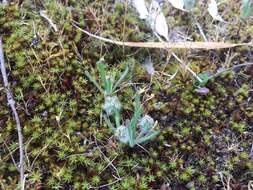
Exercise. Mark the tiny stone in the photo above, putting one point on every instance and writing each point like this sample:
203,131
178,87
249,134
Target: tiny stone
202,91
190,185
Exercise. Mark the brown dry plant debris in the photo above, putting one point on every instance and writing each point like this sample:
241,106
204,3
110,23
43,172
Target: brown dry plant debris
169,45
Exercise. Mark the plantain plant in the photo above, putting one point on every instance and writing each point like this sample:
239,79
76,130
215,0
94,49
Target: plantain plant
108,86
138,130
135,131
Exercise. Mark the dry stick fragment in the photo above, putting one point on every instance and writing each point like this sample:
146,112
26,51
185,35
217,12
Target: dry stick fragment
10,153
186,66
11,103
201,32
43,14
181,62
63,52
168,45
105,185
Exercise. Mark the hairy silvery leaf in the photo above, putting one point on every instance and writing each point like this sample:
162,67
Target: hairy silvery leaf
157,20
141,8
213,10
146,124
179,4
189,4
183,5
148,66
4,2
122,134
111,105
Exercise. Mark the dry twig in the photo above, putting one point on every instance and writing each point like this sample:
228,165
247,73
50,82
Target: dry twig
168,45
11,103
44,15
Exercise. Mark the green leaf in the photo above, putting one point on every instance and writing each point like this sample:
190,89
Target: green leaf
117,118
102,71
134,120
148,137
108,122
94,81
122,77
204,79
247,9
109,80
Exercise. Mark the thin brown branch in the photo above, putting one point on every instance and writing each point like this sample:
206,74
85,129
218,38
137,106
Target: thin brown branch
11,103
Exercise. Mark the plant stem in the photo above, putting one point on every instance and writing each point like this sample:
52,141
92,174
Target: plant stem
186,66
230,68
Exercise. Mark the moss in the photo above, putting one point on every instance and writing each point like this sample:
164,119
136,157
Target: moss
239,127
60,110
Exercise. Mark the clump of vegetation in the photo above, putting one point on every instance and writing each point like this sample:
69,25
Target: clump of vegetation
202,141
109,84
129,133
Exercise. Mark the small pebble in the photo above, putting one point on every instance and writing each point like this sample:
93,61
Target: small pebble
202,91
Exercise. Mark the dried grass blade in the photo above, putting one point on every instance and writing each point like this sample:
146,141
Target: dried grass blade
168,45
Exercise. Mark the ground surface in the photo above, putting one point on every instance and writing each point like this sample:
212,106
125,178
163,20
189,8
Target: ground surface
205,140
